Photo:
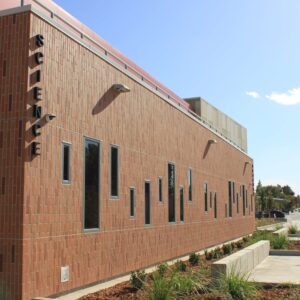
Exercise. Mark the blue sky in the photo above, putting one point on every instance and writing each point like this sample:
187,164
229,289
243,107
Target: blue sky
242,56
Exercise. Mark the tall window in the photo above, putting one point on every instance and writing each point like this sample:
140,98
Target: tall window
114,171
233,192
190,187
210,199
160,190
91,184
181,192
147,203
215,206
230,198
132,202
244,200
205,196
237,203
66,152
226,212
171,189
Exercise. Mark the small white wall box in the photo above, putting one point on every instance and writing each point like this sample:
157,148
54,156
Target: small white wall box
64,274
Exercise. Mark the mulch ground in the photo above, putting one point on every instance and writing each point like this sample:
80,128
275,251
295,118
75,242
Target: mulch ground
125,291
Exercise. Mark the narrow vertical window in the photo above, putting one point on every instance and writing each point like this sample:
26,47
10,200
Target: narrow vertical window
215,206
114,171
237,203
210,199
230,198
147,203
226,213
181,194
132,202
252,202
160,191
66,152
233,192
171,189
244,200
91,184
205,197
190,187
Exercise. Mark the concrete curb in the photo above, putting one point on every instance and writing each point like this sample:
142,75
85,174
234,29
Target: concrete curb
243,261
285,252
283,231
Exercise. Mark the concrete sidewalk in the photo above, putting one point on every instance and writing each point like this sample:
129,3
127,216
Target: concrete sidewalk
277,269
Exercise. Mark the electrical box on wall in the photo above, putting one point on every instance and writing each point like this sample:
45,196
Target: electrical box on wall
64,274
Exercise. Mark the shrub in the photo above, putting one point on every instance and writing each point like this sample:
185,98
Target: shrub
245,239
227,249
138,278
279,242
236,286
233,245
160,289
217,253
162,269
239,244
293,229
208,255
180,266
194,259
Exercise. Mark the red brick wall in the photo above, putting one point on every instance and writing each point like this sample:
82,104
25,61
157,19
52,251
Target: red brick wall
14,33
150,132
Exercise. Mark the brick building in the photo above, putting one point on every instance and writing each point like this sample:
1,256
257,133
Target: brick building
103,170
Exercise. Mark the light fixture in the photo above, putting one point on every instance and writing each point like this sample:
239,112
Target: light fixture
212,142
121,88
50,117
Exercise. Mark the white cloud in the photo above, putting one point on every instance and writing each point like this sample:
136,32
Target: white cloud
292,97
253,94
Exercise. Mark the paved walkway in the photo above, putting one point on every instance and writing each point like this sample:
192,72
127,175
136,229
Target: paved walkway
277,269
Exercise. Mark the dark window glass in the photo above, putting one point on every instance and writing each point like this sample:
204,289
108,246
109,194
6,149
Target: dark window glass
147,204
226,213
210,199
215,206
114,171
244,200
205,197
66,162
91,184
160,197
237,203
233,192
132,200
181,204
190,184
171,188
230,198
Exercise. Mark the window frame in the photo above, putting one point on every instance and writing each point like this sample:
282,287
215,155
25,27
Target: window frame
114,197
97,229
205,187
132,217
181,207
146,181
173,164
63,144
160,189
190,184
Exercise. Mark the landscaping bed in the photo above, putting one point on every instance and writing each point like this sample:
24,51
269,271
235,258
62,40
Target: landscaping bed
267,221
192,279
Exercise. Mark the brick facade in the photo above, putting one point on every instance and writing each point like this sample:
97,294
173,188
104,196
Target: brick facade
41,227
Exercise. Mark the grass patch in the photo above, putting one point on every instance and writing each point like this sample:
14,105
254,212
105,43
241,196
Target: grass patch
235,286
279,242
266,221
293,229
